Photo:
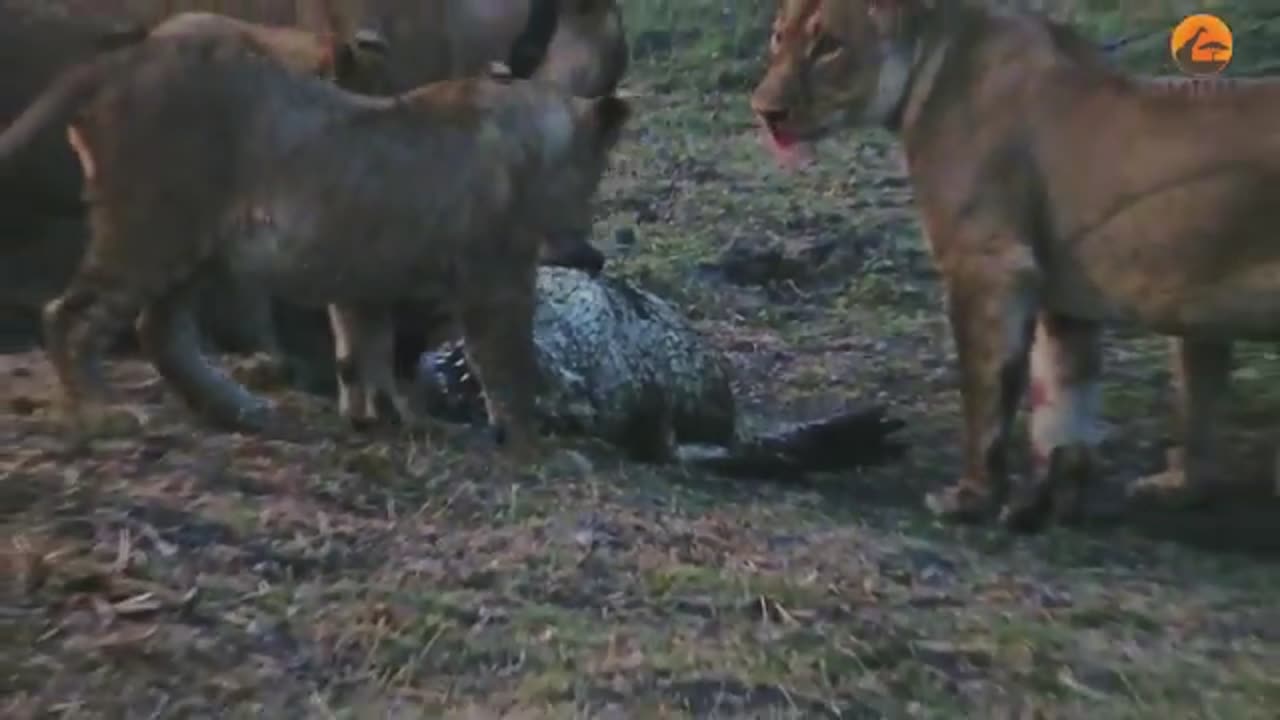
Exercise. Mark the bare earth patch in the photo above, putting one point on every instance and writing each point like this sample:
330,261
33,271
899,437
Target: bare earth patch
182,572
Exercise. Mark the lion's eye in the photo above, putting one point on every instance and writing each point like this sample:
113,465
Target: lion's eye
824,46
775,41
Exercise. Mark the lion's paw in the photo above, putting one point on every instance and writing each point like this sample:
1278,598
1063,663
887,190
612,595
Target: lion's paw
961,503
1167,490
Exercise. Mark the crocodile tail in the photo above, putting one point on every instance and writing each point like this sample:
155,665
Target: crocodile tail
857,437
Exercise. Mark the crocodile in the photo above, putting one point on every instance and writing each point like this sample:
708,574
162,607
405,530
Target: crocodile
622,365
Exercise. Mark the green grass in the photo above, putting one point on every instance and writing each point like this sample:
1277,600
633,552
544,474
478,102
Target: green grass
213,575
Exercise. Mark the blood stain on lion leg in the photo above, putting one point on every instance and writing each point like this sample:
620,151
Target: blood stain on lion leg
1202,378
1065,399
498,336
992,322
168,334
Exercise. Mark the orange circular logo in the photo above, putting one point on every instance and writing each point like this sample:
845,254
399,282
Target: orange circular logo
1201,45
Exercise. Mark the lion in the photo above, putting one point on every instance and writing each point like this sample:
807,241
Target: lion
580,45
573,42
42,228
299,50
323,196
1058,194
41,187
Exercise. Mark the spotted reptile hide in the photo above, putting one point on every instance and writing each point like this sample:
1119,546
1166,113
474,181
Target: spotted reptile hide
623,365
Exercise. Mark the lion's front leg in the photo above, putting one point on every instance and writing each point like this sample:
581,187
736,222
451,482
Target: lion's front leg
1065,403
76,327
992,314
497,326
1202,377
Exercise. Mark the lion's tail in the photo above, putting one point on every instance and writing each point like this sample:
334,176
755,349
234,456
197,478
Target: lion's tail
60,101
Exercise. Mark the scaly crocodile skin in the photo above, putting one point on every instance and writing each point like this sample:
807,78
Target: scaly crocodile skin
617,362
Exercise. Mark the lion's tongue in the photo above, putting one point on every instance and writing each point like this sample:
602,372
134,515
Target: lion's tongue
787,149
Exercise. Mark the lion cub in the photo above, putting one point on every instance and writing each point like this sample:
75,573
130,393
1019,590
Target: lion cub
200,155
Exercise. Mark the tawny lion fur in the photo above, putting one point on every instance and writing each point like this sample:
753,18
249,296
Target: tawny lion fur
584,47
1058,194
42,228
579,44
322,196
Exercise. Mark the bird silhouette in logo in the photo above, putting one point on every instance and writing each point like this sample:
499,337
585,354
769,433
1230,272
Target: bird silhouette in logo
1203,58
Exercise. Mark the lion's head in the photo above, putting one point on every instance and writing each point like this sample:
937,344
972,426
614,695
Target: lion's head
563,206
834,64
561,144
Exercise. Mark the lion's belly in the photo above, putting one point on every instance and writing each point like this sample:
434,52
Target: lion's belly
309,265
1210,267
1242,305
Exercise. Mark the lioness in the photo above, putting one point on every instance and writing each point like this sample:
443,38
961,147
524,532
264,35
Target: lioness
321,195
1057,194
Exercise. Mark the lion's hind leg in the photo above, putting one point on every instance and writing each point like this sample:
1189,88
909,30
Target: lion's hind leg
169,336
78,326
364,353
1202,377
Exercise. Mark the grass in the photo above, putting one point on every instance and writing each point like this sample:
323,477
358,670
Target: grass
189,573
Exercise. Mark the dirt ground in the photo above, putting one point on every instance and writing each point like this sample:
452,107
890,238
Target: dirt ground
183,572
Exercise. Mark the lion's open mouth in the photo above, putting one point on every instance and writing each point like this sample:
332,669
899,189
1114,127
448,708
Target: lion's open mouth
789,147
784,139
